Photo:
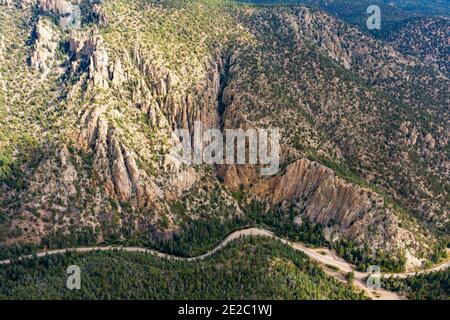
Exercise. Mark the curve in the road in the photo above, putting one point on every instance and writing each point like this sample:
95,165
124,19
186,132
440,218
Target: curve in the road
323,256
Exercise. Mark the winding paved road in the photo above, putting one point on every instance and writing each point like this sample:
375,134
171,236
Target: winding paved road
339,267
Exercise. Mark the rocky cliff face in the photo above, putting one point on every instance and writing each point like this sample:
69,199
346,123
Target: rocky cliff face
89,48
360,111
346,211
315,26
46,42
114,164
60,7
179,107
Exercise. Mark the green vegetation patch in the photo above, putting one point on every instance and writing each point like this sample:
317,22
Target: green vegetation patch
433,286
253,268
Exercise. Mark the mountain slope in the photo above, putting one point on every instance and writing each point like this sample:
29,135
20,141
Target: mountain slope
394,13
282,274
90,115
426,38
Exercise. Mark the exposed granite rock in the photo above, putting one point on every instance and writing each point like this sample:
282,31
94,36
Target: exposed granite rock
345,210
60,7
114,165
118,74
100,14
325,37
335,50
101,164
302,178
404,128
68,172
430,141
122,183
44,47
236,176
180,110
98,69
413,138
90,47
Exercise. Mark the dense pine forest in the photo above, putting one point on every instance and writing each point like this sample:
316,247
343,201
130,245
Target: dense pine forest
433,286
254,268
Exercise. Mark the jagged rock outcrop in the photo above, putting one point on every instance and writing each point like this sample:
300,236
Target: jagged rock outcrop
116,169
98,68
69,174
236,176
413,138
121,179
60,7
180,109
114,165
102,72
430,141
330,200
44,49
118,74
344,209
324,36
410,134
7,3
100,15
333,46
90,47
404,128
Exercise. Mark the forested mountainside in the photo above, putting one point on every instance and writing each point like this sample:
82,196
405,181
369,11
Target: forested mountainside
433,286
394,13
247,269
88,117
348,8
418,28
426,38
